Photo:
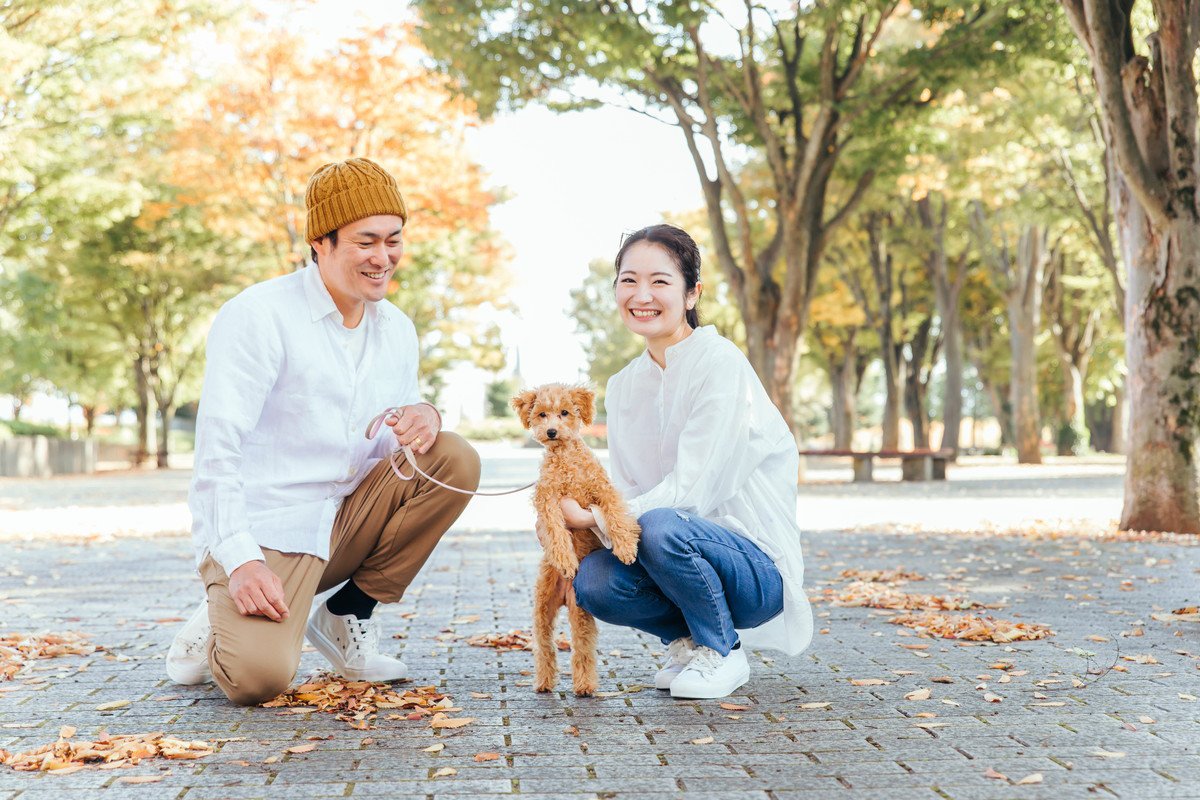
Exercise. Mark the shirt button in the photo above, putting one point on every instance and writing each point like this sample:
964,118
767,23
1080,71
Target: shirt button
353,471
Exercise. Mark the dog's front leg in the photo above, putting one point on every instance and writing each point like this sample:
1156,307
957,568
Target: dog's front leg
547,599
583,648
558,547
623,532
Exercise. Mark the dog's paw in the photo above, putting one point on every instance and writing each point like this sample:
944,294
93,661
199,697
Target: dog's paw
585,688
567,569
626,554
543,686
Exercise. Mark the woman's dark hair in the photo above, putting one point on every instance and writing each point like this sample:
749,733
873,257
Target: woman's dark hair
683,250
331,236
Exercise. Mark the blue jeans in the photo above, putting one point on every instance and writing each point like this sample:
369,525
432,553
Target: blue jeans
691,578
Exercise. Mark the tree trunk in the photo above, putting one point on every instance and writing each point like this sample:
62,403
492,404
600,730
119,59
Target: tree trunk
142,409
952,403
916,384
947,290
1023,389
166,415
1162,338
893,378
1073,436
843,379
1119,417
1150,125
89,419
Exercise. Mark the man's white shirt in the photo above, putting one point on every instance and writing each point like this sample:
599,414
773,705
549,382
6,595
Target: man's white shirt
285,403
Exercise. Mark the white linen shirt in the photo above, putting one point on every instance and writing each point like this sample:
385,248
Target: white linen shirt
703,437
280,430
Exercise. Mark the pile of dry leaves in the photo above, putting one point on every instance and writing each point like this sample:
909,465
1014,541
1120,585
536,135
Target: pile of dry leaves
858,594
971,628
359,702
106,752
17,649
880,575
513,640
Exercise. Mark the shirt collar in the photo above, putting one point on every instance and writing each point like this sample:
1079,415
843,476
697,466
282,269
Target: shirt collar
678,349
320,301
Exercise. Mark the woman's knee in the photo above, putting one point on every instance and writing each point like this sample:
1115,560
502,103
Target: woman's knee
662,530
593,581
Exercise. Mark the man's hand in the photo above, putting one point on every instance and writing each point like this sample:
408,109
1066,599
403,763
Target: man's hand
576,516
417,426
258,592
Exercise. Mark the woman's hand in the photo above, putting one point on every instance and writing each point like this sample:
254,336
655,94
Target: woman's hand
576,516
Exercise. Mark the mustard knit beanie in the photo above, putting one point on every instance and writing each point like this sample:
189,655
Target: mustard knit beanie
347,191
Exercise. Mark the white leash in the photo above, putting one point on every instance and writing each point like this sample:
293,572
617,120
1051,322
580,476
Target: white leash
406,451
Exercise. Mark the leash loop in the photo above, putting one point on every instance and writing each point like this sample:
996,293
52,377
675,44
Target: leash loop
406,451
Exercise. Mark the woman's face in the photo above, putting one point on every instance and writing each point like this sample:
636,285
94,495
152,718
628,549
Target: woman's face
651,293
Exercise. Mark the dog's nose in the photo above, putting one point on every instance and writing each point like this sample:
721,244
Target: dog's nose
552,433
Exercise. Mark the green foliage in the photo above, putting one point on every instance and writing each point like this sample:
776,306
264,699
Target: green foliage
498,396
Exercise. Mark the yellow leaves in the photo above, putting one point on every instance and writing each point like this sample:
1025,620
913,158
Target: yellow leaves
972,628
112,706
301,748
816,705
434,748
108,752
358,702
1030,779
918,694
734,707
18,649
513,640
703,740
445,772
481,757
441,722
867,594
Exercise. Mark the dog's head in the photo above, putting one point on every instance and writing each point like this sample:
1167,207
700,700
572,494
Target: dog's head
555,412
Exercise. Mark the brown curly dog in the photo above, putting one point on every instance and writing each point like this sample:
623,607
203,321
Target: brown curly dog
556,415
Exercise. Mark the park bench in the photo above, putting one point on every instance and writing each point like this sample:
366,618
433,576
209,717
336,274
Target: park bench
915,465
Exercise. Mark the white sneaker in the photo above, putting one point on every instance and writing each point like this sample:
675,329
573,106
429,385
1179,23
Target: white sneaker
709,674
352,646
187,660
679,653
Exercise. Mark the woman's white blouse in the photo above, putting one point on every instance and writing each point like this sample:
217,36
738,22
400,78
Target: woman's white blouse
702,436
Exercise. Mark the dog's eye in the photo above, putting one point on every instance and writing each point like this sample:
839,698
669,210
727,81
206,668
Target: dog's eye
566,413
542,415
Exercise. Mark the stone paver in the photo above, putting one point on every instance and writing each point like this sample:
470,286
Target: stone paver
1072,708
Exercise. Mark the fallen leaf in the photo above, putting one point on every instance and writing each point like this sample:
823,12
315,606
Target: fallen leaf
434,748
704,740
113,706
816,705
486,756
931,724
1146,720
66,732
918,694
445,772
140,778
301,748
734,707
1030,779
1109,753
481,695
992,698
991,773
571,730
450,722
869,682
942,679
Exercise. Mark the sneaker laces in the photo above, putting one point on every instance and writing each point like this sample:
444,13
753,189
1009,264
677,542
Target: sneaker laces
679,652
706,661
196,645
364,637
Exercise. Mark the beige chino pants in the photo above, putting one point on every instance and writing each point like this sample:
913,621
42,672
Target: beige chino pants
383,533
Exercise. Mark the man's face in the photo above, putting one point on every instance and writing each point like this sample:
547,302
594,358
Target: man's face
358,268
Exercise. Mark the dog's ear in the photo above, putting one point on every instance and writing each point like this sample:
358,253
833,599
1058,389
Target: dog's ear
585,400
523,405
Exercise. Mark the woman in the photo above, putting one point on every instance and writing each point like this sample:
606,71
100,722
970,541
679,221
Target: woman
708,466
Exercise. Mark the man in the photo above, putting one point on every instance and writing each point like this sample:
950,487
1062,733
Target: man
289,498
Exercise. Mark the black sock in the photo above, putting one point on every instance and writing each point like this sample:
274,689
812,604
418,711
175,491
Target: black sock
736,645
351,600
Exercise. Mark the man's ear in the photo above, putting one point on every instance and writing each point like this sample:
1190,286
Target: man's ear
523,405
585,400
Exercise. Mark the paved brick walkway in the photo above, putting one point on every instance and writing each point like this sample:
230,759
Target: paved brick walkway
1123,722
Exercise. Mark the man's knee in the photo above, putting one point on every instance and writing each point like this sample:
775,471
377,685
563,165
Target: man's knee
252,684
459,458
